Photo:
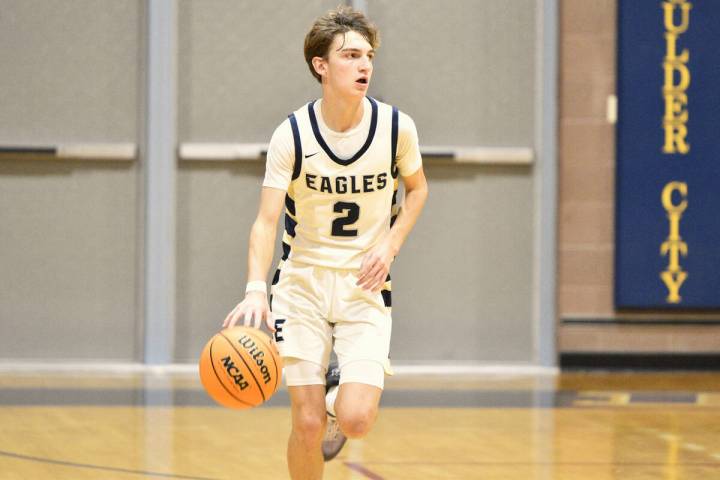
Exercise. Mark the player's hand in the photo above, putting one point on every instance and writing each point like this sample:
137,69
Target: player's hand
252,310
375,266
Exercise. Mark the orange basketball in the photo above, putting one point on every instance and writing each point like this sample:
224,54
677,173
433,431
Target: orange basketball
240,368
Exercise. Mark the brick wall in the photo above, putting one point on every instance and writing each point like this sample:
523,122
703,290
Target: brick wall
588,31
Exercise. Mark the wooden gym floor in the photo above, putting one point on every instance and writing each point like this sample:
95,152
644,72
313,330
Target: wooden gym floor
569,427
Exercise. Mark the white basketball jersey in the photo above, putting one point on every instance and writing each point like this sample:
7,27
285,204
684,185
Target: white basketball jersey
337,209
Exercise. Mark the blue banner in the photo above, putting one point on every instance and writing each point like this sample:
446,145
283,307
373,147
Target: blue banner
667,247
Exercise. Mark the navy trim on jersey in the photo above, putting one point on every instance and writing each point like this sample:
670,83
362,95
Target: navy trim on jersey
394,141
387,297
298,147
290,225
363,149
286,251
290,204
387,293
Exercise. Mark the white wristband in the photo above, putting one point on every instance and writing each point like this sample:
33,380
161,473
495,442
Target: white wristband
256,286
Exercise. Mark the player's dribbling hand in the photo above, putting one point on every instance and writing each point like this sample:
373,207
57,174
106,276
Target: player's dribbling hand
375,267
253,310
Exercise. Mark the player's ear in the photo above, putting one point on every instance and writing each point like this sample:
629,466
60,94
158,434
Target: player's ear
320,65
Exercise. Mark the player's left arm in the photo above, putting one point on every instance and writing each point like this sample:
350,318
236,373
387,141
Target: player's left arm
376,263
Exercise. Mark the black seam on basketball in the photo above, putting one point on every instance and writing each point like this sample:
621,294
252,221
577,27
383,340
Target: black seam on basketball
272,352
212,364
246,364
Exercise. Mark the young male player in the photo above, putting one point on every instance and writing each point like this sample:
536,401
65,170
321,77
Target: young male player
335,165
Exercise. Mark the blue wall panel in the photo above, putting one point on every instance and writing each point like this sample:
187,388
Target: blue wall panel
668,155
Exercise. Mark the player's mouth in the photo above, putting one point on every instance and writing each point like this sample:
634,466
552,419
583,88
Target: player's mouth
362,80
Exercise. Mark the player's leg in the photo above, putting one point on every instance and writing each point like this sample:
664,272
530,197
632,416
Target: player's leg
358,398
305,461
361,332
304,340
334,439
361,387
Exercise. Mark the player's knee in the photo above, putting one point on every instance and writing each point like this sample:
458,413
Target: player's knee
358,422
309,426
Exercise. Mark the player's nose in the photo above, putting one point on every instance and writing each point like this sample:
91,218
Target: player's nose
365,65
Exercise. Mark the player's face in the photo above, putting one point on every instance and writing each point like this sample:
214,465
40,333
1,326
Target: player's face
349,64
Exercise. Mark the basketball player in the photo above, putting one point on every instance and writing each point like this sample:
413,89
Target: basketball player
335,165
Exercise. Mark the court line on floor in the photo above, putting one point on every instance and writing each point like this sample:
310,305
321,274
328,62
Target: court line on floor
548,464
99,467
360,468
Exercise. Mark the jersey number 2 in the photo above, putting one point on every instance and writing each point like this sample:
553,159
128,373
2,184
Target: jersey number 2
339,224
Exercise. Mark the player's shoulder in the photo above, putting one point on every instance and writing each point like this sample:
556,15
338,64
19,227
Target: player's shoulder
282,131
382,106
406,125
389,106
405,122
283,138
282,141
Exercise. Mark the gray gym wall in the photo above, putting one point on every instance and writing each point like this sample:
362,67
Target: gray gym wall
466,71
69,228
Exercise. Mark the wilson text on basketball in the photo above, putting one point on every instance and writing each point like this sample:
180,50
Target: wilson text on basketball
249,345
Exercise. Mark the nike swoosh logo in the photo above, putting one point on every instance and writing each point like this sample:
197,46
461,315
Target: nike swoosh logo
308,156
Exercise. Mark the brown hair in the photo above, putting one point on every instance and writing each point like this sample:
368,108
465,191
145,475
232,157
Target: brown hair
341,20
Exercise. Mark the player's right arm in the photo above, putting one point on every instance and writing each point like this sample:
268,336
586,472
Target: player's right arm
255,307
278,173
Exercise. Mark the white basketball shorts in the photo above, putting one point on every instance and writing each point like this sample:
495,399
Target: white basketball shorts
318,308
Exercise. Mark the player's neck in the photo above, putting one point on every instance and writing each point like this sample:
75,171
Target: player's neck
341,114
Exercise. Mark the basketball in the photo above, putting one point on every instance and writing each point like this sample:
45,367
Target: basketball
240,368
